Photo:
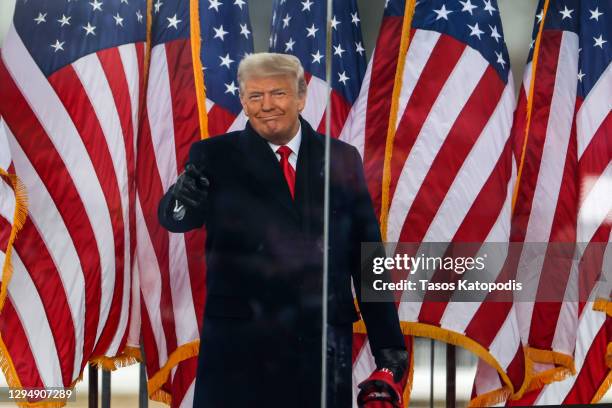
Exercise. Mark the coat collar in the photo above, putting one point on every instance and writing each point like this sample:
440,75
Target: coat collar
262,164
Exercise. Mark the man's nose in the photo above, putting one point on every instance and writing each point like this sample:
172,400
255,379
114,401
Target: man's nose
267,102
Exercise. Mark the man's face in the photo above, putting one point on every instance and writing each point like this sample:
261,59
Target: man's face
273,105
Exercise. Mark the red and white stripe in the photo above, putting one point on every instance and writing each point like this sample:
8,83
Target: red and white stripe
71,140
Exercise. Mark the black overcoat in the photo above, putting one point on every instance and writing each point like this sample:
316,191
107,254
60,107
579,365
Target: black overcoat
261,337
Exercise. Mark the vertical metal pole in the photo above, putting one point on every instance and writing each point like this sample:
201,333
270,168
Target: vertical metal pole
106,388
143,400
328,78
451,374
93,386
431,373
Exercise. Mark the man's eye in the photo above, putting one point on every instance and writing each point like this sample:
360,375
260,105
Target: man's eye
255,97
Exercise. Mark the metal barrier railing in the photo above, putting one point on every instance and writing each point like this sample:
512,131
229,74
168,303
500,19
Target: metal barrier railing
104,397
143,401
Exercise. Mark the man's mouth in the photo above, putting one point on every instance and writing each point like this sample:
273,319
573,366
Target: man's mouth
269,117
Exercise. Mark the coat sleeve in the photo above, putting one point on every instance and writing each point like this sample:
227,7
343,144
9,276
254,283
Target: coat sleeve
380,317
193,218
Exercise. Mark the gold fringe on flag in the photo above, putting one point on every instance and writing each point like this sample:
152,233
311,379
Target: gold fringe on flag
605,386
491,398
551,357
19,218
182,352
603,305
564,366
129,355
504,393
549,376
161,396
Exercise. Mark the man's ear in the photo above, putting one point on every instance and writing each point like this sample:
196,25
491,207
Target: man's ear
244,106
301,102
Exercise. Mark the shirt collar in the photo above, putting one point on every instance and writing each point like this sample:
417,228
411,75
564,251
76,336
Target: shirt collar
294,143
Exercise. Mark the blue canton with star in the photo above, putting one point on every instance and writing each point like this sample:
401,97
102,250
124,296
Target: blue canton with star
226,39
473,22
591,21
299,28
170,21
58,32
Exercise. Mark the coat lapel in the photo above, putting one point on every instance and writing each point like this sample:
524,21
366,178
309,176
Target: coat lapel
309,177
262,165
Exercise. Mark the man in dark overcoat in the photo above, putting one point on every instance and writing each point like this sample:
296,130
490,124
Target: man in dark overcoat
260,194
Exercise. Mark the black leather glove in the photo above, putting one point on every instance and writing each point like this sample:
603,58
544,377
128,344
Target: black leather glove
393,359
191,187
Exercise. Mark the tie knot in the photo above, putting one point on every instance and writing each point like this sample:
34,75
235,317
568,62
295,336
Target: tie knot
284,151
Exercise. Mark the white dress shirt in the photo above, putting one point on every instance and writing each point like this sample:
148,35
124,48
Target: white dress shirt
294,145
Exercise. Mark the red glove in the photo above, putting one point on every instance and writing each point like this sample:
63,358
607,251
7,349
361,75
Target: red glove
380,390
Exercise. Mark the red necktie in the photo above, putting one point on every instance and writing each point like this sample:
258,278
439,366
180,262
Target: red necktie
288,170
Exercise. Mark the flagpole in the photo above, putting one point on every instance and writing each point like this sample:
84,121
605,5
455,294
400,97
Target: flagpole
328,73
431,372
93,386
106,389
451,374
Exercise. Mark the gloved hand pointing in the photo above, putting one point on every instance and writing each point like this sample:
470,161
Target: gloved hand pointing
191,187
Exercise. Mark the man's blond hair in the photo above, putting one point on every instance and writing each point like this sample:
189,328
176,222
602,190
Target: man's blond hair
267,64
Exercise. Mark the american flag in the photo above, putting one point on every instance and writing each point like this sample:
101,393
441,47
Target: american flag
185,52
368,120
448,165
562,131
71,75
299,28
226,38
